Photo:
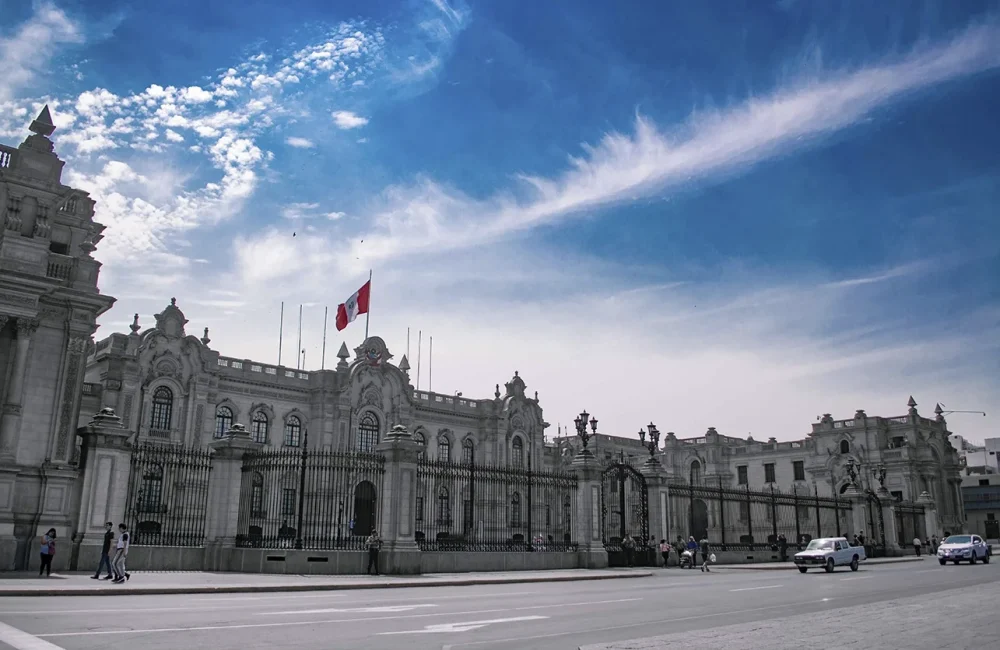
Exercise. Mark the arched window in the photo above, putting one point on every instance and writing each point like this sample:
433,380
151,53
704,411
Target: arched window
517,453
444,449
293,431
223,420
163,407
845,447
419,438
151,492
258,427
515,510
368,432
468,451
696,473
257,495
443,507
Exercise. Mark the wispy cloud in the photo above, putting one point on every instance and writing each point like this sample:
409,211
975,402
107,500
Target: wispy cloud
300,143
429,215
27,51
348,120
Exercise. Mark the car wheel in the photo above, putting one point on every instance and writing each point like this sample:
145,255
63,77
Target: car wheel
854,563
973,559
829,565
802,569
943,562
986,559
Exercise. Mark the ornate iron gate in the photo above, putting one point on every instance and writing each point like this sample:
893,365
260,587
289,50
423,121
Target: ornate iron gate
876,527
624,513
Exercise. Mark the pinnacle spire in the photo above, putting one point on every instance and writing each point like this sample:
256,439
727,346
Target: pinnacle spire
343,354
912,403
404,364
42,125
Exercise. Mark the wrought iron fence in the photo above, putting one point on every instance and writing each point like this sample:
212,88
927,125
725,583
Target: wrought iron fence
307,499
168,495
909,523
745,519
471,507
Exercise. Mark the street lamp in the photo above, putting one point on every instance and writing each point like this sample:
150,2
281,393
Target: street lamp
581,429
878,473
654,439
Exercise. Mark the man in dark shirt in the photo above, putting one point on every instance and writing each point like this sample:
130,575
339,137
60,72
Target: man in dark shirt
109,537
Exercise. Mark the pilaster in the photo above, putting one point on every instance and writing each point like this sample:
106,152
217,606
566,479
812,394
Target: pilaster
10,420
224,486
590,547
656,488
931,526
396,517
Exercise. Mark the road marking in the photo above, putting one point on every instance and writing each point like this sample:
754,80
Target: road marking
275,597
246,626
463,627
858,578
19,640
357,610
756,588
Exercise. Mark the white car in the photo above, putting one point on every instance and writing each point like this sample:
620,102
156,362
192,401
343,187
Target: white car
828,553
963,548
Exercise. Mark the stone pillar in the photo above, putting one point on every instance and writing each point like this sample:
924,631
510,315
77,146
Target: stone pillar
10,421
224,485
396,517
892,542
656,488
930,515
107,454
859,505
590,547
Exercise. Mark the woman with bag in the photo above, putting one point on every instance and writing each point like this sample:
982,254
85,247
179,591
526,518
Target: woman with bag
48,552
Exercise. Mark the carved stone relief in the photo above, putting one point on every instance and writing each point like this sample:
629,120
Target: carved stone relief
127,414
71,389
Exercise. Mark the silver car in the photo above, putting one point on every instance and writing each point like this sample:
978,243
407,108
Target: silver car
963,548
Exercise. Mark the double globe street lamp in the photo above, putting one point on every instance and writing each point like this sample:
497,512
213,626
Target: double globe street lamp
581,430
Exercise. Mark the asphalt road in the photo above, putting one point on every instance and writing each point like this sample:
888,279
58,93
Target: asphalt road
546,615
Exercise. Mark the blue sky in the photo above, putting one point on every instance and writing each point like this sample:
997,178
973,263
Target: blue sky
739,214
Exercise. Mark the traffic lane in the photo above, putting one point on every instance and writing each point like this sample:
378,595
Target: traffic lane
656,601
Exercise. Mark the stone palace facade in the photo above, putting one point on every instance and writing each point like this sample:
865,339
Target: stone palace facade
170,387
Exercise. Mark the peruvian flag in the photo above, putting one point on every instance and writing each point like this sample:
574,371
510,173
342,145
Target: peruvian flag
355,305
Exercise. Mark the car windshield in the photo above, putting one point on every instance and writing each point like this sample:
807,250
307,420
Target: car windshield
820,545
958,539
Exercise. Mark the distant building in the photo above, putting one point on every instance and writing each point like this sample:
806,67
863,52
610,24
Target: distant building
981,495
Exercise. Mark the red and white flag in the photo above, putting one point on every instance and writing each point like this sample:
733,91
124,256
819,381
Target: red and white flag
355,305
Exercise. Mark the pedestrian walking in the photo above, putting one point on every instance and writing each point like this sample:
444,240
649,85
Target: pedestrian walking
109,537
934,544
704,554
374,543
692,546
121,552
916,545
665,552
628,545
48,552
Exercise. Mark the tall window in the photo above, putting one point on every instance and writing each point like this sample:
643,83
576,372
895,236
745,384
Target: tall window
257,495
515,510
163,406
769,472
223,420
799,468
468,451
444,449
152,489
741,475
368,433
420,509
258,427
293,431
695,474
517,453
845,447
422,441
288,502
443,507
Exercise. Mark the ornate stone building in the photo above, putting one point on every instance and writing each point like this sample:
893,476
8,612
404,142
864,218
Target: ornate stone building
49,303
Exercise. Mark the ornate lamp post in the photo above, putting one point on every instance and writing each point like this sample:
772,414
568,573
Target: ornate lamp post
878,473
852,472
654,440
581,430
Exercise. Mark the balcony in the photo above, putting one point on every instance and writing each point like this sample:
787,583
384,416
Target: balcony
60,267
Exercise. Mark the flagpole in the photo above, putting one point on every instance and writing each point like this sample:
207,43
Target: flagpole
281,331
322,362
368,314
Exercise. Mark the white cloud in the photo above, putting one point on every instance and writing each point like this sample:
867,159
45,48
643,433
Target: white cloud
335,216
348,120
26,52
299,210
196,95
300,143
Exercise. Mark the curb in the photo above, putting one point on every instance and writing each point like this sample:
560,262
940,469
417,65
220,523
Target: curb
782,566
260,589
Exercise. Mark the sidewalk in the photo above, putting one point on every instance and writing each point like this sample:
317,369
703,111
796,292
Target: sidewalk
80,584
785,566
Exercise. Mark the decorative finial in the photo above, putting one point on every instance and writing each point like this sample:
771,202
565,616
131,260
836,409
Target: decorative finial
912,403
42,125
496,393
515,373
343,353
135,324
536,395
173,302
205,339
404,364
938,410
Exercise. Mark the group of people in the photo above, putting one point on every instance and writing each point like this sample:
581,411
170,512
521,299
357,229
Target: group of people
931,543
115,566
691,547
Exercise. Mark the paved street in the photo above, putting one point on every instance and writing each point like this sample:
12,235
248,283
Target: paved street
542,615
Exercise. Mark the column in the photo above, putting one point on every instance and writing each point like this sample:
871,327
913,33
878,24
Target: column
590,547
930,515
224,487
656,489
107,462
892,541
859,504
11,420
396,517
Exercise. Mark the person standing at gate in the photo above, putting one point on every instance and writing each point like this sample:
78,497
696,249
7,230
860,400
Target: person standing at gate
692,546
665,552
628,545
374,543
48,552
109,536
916,545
